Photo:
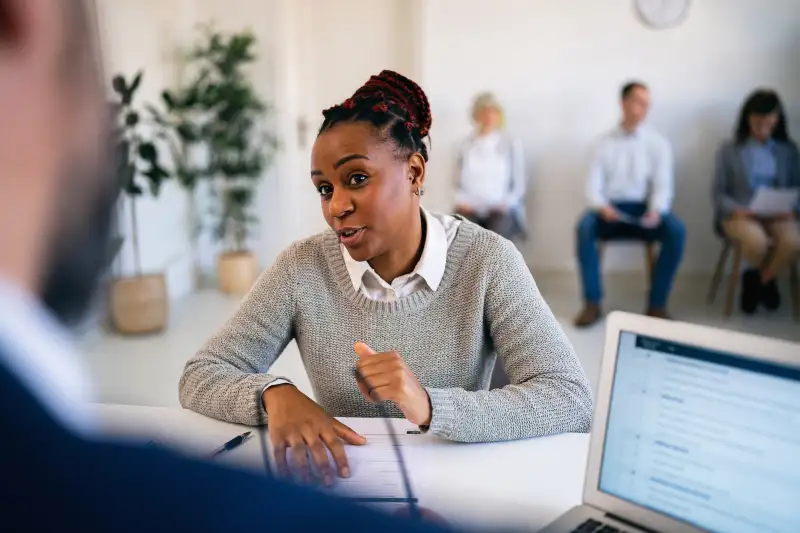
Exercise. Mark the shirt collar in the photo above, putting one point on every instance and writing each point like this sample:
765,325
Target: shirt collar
622,132
431,264
769,143
39,351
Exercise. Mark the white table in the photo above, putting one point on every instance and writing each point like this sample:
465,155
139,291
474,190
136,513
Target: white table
524,484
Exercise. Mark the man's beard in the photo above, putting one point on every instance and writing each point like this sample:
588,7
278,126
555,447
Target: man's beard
81,248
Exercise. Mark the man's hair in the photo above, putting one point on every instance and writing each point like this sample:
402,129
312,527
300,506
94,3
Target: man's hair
629,87
392,103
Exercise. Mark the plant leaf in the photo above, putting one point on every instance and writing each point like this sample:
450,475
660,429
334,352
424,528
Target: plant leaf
137,80
131,119
119,85
148,152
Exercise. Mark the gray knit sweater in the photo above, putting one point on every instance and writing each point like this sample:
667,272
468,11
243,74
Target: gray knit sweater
487,303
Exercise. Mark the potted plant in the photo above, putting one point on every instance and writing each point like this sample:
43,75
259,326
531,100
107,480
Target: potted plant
138,303
220,109
180,128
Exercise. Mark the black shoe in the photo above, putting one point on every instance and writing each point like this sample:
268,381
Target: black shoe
751,291
770,296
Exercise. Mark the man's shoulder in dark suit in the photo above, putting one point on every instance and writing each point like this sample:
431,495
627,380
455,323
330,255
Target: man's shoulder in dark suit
55,480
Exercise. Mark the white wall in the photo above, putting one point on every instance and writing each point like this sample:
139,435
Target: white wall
145,34
557,65
149,34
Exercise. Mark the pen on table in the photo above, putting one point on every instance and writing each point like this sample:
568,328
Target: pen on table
231,444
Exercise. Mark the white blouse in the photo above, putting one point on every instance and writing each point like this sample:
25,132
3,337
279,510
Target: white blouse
491,173
441,230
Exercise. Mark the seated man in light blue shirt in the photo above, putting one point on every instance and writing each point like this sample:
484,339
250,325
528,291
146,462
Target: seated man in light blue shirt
630,192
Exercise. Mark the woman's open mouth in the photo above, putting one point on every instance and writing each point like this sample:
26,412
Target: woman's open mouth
350,236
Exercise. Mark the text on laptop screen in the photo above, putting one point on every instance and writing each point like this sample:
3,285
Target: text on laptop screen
709,438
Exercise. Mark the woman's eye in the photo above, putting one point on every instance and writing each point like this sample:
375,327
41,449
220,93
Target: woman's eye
324,190
357,179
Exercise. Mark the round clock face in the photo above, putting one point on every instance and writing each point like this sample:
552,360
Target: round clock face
662,13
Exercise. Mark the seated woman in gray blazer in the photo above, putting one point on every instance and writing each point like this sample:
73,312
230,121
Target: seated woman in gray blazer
761,155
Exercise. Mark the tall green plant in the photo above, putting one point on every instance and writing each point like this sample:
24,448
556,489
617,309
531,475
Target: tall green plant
219,109
137,156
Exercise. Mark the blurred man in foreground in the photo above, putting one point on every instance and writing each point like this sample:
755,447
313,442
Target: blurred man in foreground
57,194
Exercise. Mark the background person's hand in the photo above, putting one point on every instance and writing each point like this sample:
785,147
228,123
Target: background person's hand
651,219
742,214
301,427
786,216
388,378
609,214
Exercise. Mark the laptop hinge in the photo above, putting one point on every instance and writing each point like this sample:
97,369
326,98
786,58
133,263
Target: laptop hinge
629,523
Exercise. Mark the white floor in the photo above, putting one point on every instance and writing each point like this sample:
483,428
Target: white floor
145,370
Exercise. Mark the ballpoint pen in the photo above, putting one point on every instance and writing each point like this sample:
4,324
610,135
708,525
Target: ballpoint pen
231,444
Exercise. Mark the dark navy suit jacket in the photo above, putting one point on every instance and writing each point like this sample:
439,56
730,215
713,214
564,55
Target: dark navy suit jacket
54,480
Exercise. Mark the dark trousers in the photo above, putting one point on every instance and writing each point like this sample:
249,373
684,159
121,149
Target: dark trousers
670,234
503,224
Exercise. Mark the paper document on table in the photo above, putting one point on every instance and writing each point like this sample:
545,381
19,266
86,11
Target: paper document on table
770,202
375,472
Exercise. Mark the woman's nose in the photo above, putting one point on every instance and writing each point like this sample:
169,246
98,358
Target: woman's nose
341,204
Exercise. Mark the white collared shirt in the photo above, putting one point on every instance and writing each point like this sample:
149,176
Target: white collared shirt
441,230
39,351
491,173
632,167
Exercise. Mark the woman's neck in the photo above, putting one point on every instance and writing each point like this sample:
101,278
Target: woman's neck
402,258
485,132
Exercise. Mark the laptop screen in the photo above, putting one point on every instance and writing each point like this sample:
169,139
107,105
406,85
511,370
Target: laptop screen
709,438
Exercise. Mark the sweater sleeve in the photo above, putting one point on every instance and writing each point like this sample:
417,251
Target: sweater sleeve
227,377
549,391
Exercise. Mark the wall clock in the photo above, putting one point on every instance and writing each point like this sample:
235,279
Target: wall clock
662,14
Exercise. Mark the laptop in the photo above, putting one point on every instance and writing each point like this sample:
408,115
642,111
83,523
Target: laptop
695,430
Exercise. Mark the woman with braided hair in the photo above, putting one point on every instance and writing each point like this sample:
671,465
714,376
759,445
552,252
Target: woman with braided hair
392,304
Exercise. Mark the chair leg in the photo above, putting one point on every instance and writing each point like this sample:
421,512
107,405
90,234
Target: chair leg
650,262
794,282
717,277
733,281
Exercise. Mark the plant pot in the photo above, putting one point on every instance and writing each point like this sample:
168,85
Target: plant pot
237,272
139,304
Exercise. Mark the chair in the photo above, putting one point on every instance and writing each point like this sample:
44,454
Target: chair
650,255
733,280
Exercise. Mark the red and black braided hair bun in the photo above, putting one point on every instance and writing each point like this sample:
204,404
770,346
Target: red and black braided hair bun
394,104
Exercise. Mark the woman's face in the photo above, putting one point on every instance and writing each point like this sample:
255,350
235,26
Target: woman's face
488,118
762,126
366,190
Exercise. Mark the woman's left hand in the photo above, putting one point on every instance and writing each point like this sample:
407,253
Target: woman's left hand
387,377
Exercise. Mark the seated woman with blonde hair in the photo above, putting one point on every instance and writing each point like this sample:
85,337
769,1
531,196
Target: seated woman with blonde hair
490,175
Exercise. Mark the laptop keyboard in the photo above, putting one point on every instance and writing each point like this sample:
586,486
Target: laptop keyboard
593,526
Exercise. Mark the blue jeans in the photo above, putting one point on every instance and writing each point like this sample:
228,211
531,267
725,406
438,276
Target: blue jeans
670,234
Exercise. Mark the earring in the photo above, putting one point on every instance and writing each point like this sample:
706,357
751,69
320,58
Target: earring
420,191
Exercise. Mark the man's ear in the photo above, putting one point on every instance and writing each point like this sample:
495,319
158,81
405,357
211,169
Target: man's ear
416,170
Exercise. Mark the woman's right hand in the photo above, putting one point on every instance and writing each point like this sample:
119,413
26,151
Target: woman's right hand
298,424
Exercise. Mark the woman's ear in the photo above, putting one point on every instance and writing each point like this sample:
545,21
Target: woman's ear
416,171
